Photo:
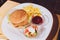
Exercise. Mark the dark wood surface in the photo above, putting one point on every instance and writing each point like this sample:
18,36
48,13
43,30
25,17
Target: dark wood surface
54,27
52,5
2,2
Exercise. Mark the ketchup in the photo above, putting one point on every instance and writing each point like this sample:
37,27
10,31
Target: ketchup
37,20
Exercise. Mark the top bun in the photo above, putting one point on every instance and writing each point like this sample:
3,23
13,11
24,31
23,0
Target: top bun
19,17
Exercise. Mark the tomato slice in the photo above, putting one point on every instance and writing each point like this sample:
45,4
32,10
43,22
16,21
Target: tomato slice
26,31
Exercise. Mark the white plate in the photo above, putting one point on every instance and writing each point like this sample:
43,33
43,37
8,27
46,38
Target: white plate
15,34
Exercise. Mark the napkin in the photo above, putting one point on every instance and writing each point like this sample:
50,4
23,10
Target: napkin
3,11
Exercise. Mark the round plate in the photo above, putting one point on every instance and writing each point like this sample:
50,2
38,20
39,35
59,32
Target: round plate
15,34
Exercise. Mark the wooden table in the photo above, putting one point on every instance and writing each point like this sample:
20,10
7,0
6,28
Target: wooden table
9,4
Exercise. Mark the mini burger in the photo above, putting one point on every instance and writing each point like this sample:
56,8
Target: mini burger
19,18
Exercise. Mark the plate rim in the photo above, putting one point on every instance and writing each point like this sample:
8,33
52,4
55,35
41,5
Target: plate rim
41,6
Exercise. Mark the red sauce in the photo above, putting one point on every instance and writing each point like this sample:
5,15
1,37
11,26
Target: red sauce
37,20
